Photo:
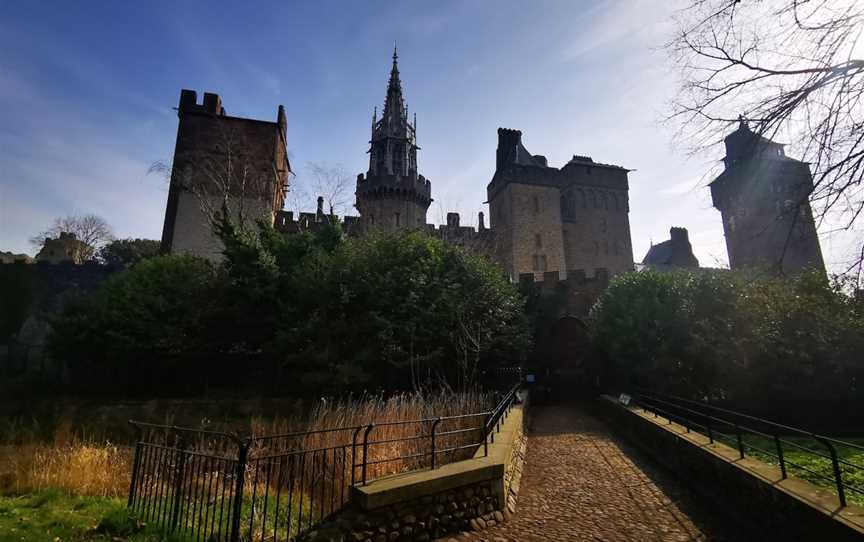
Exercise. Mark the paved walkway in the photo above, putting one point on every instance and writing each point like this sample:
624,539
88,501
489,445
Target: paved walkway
581,483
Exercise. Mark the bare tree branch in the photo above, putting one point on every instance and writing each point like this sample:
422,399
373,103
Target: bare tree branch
795,69
91,230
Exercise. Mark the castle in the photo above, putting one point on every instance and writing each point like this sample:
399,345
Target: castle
545,223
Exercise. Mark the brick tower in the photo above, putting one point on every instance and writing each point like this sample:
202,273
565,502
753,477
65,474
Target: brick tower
762,196
392,194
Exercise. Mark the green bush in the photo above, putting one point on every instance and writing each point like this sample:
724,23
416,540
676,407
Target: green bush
305,313
726,334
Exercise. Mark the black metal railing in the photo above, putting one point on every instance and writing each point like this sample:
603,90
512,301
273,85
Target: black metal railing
208,485
740,430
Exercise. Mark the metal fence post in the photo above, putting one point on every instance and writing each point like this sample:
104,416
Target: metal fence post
740,442
354,454
710,433
434,427
178,481
366,449
780,456
242,454
838,477
486,436
139,436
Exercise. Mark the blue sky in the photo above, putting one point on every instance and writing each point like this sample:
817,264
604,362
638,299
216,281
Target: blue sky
87,91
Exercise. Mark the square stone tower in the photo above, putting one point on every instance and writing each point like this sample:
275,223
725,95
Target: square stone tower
218,158
547,219
762,196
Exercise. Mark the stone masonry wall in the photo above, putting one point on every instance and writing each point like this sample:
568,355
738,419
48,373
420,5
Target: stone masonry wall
421,520
471,507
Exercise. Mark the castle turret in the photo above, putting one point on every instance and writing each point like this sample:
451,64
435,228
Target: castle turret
762,195
393,193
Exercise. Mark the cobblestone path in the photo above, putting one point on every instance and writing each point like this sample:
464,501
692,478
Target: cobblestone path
580,483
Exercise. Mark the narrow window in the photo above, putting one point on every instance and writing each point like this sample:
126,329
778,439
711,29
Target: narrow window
536,204
538,240
397,218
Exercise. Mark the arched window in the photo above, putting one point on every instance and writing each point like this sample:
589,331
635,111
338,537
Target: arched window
593,197
604,201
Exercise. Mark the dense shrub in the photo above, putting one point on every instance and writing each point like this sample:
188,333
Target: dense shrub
304,313
386,310
731,335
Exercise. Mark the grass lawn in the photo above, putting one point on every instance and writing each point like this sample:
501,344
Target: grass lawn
56,517
808,466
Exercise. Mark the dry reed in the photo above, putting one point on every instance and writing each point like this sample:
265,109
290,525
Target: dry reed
86,467
77,467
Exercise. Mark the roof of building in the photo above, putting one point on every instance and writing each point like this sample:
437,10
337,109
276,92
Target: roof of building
579,160
659,254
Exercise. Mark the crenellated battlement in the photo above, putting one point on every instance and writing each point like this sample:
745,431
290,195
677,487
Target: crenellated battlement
290,222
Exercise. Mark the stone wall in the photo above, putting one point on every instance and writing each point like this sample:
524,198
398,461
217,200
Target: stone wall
474,506
468,495
193,232
748,491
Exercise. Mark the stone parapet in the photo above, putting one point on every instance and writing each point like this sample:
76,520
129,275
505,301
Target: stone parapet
467,495
750,491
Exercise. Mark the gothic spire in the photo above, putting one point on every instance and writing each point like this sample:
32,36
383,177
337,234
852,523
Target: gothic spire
394,106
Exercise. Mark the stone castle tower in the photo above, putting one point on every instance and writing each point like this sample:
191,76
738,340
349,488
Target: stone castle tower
762,196
219,158
392,194
547,219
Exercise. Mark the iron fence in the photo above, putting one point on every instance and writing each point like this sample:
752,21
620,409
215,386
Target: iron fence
740,430
215,486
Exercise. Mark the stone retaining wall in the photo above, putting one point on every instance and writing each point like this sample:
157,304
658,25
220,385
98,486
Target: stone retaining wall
748,491
468,495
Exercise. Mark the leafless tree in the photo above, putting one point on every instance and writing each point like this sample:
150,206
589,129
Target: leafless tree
91,230
225,175
794,69
331,183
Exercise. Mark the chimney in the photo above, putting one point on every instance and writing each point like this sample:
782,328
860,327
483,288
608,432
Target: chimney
481,222
679,236
282,120
507,142
319,214
453,220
